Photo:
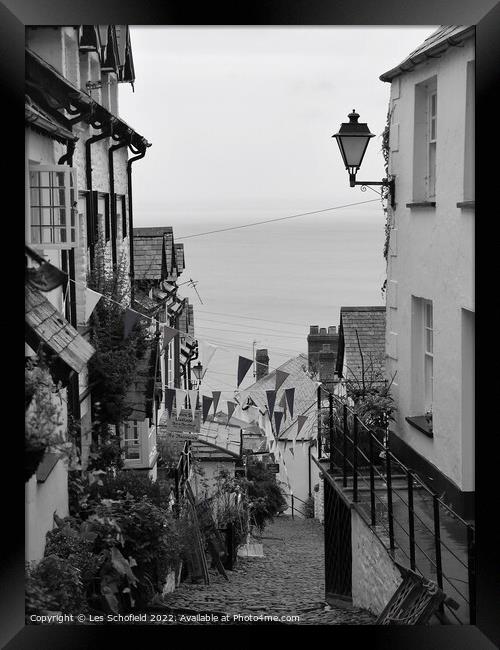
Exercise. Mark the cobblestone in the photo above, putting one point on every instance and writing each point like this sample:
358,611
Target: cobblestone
288,580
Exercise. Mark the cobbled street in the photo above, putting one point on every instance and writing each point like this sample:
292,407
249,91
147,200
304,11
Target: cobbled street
288,580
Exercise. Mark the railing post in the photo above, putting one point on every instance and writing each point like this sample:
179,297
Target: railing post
471,567
330,427
344,445
437,541
292,507
388,472
355,460
319,422
372,480
411,520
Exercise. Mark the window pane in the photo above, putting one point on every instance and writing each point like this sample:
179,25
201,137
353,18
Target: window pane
34,179
46,216
35,216
34,197
35,235
428,340
62,232
47,235
60,179
44,179
45,195
73,235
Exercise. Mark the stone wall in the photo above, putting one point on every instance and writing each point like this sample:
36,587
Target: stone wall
319,499
375,577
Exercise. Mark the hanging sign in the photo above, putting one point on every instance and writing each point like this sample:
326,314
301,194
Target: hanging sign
274,468
184,423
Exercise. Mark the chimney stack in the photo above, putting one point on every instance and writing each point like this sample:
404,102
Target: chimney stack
261,363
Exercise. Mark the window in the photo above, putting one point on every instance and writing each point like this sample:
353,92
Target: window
131,441
431,151
121,213
469,162
53,206
428,355
422,362
103,217
425,141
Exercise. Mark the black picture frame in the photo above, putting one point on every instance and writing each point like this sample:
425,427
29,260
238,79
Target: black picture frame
485,14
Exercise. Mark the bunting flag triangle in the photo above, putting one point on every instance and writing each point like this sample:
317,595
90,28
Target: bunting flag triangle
169,400
301,420
193,400
280,377
130,319
91,300
230,410
292,451
206,404
282,404
180,396
216,397
168,334
278,416
243,366
271,399
46,277
207,351
290,398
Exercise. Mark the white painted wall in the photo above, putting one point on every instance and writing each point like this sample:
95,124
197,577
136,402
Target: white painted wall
432,256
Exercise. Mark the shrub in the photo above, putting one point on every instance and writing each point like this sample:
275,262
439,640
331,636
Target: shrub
56,577
266,496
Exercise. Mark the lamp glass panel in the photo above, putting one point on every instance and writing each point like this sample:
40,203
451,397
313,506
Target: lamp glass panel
354,148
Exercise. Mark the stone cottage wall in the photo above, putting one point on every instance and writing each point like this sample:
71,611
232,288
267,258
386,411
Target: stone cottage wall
375,577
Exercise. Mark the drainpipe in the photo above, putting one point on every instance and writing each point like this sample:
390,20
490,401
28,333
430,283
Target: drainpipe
131,220
88,172
111,167
68,156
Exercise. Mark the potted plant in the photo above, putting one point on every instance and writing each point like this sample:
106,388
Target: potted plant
428,419
42,415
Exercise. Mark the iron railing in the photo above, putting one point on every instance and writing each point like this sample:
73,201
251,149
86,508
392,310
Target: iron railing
293,505
415,524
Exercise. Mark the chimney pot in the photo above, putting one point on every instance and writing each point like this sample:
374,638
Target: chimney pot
314,329
261,363
332,329
322,331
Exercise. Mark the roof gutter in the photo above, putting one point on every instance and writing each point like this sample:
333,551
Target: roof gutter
130,162
431,53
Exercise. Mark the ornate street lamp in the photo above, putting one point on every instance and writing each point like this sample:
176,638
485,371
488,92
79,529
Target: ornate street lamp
353,138
198,372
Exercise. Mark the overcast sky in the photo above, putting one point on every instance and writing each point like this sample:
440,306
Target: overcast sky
241,119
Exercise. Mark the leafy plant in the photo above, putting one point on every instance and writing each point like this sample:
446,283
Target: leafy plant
266,496
61,580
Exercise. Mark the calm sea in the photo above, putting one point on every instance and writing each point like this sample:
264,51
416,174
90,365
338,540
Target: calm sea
291,274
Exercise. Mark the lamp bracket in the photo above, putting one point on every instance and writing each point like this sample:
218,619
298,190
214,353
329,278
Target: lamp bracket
386,182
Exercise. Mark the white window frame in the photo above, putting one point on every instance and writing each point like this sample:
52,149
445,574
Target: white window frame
132,440
431,142
428,349
42,198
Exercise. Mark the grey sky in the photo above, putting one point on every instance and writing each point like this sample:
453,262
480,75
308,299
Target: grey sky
241,118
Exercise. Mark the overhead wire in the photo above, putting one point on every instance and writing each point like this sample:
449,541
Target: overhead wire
293,216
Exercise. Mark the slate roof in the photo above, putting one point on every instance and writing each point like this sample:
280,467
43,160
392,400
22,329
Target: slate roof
179,256
156,257
217,436
304,398
44,323
369,323
434,45
149,257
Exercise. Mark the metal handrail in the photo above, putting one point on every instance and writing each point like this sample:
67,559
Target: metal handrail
351,422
